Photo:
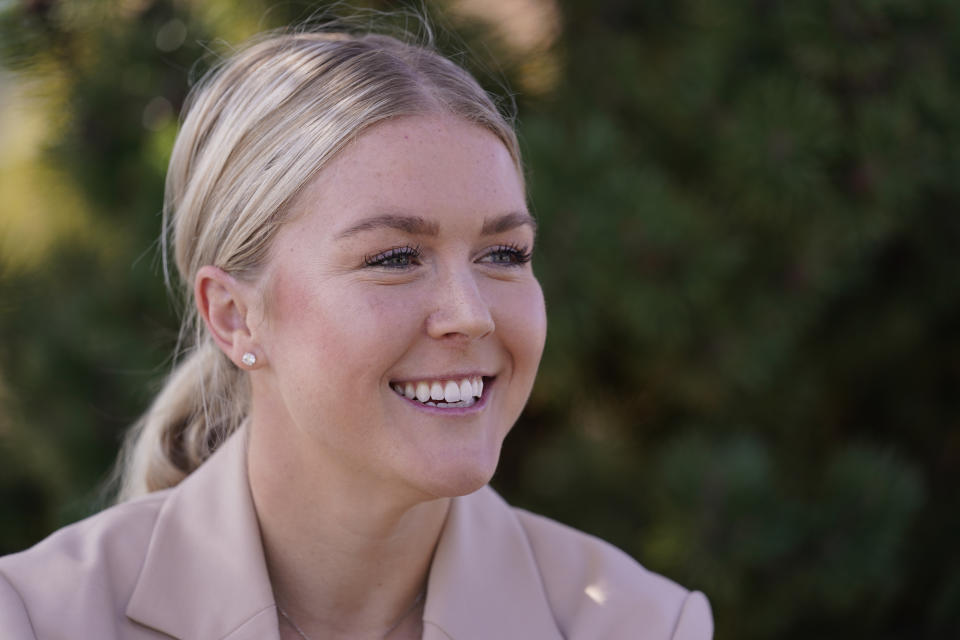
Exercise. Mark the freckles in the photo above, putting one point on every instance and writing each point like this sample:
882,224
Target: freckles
288,293
525,306
525,320
364,320
353,314
396,303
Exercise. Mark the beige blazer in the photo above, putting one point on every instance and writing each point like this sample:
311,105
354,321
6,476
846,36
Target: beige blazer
187,563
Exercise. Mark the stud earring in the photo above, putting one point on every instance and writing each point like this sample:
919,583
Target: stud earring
249,359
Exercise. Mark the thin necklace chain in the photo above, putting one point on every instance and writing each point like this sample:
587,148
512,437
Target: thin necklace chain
296,627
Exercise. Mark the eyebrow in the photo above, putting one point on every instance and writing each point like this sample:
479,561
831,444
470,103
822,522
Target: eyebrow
417,226
414,225
508,221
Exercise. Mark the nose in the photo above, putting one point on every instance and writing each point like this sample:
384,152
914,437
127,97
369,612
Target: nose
461,310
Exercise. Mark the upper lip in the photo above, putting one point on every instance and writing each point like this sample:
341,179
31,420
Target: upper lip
459,375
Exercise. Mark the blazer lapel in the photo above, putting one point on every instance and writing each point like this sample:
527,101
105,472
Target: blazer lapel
484,582
205,576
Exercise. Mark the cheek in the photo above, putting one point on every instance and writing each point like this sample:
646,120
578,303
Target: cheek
523,325
364,331
310,325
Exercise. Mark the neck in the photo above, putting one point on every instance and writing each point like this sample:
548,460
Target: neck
347,557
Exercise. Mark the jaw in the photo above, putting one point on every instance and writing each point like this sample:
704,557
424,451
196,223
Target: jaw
451,452
463,472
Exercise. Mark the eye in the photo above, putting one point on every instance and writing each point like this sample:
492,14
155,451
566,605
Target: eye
394,258
509,255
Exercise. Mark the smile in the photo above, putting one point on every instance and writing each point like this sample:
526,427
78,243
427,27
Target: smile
445,394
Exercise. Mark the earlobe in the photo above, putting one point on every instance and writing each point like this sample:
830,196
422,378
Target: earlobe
223,303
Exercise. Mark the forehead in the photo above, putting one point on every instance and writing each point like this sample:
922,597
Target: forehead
438,167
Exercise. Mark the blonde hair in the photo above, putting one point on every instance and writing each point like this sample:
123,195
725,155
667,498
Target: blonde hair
257,128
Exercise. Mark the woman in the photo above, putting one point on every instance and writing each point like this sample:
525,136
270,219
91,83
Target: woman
349,216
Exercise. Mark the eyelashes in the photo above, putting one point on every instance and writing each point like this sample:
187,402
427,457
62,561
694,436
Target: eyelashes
406,256
394,258
508,254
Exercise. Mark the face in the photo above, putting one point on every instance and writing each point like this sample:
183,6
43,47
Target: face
404,271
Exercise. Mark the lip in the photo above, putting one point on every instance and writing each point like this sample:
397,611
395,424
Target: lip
477,407
460,375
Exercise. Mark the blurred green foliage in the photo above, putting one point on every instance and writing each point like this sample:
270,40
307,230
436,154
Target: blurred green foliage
749,245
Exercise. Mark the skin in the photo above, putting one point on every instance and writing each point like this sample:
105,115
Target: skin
352,482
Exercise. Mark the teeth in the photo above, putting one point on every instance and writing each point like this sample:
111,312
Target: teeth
451,392
443,393
423,391
469,402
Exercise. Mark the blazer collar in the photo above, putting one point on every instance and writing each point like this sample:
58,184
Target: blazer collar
484,582
204,575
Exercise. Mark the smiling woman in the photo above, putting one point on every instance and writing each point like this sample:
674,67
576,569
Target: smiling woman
349,219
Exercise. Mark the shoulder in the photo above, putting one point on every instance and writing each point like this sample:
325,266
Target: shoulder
108,542
597,590
89,566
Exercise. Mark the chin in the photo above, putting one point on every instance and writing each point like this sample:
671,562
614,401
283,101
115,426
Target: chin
460,477
461,486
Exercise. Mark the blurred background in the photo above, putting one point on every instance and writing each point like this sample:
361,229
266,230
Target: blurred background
749,244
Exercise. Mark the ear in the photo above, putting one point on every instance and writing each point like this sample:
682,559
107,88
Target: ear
224,303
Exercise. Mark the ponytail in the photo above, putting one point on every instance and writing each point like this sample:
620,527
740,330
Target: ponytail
203,401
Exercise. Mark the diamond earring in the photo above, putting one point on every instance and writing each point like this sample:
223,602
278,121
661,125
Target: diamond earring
249,359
